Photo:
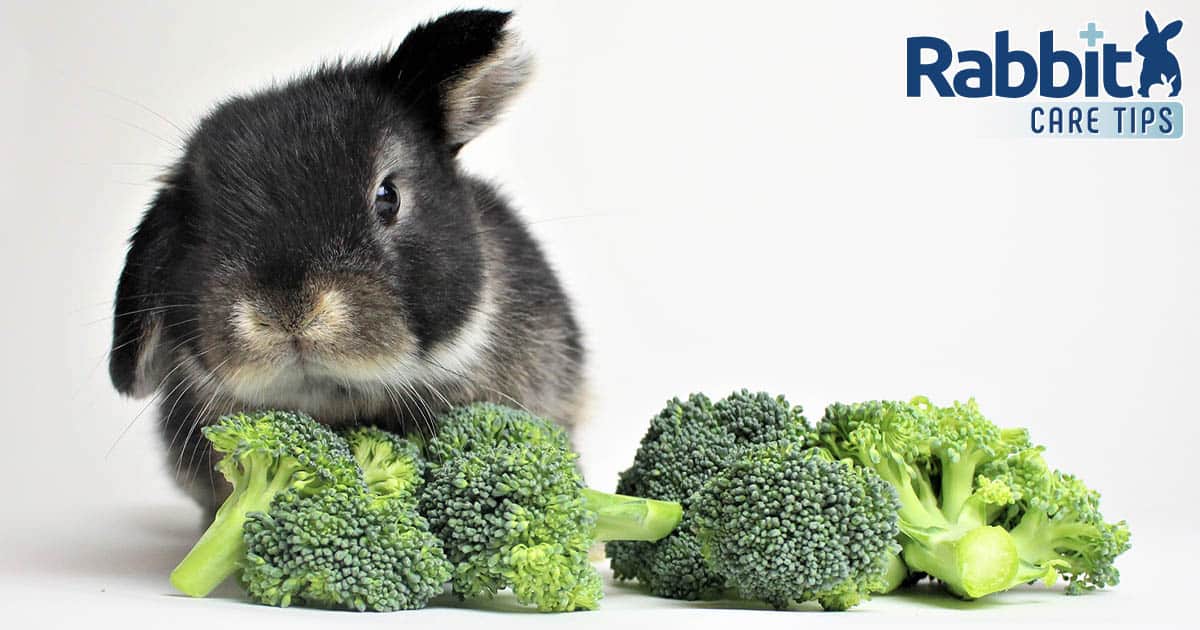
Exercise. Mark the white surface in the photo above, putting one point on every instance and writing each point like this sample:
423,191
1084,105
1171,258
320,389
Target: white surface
117,578
734,196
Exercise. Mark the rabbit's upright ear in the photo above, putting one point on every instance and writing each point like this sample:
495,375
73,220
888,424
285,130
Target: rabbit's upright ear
1172,29
1151,25
137,361
460,71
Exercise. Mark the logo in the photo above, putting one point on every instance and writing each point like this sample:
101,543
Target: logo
1157,61
1062,71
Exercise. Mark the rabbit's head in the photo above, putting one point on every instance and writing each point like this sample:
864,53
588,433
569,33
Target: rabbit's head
317,236
1154,43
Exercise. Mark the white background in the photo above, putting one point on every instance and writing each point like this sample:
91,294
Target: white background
735,195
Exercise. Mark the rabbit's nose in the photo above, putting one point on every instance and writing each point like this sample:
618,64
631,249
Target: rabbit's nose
301,321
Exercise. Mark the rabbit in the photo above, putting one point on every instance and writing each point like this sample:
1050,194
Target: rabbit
1158,64
318,248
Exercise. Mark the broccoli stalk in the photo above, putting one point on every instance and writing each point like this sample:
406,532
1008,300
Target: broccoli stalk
621,517
219,552
264,454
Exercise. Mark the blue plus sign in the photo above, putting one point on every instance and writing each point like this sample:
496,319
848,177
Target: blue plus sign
1091,34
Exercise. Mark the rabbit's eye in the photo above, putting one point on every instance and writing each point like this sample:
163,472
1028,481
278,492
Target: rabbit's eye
387,201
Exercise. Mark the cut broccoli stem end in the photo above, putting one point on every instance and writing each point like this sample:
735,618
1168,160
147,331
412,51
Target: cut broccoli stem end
981,561
620,517
220,551
895,575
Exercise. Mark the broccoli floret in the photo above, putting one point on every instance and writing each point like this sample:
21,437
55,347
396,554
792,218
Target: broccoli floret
512,515
342,548
976,501
392,467
503,493
506,496
1056,525
264,454
484,425
686,444
786,525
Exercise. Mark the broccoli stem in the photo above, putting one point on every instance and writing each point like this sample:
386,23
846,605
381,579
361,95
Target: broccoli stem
897,573
1040,543
220,551
620,517
978,562
958,483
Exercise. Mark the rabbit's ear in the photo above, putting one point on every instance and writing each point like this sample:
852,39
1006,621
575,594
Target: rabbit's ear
1151,25
137,362
460,71
1172,29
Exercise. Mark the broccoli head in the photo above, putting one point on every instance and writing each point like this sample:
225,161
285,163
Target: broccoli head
512,515
686,444
979,509
342,548
392,466
1057,526
484,425
263,454
786,525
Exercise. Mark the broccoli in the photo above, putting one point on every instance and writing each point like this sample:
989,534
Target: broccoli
264,454
686,444
392,466
787,525
342,548
778,523
979,510
503,493
350,547
1056,524
483,425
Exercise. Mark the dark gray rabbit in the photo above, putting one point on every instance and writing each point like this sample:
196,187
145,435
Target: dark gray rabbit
318,248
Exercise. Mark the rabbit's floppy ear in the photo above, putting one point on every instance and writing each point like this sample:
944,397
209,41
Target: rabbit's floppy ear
137,362
1172,29
459,72
1151,25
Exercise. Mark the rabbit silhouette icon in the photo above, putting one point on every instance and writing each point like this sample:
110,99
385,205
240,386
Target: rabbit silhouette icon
1159,65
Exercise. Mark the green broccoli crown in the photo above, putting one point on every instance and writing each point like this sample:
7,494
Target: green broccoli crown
1059,531
1027,476
962,435
980,509
392,466
877,433
512,515
287,443
686,444
339,548
787,525
265,453
483,425
760,418
683,447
